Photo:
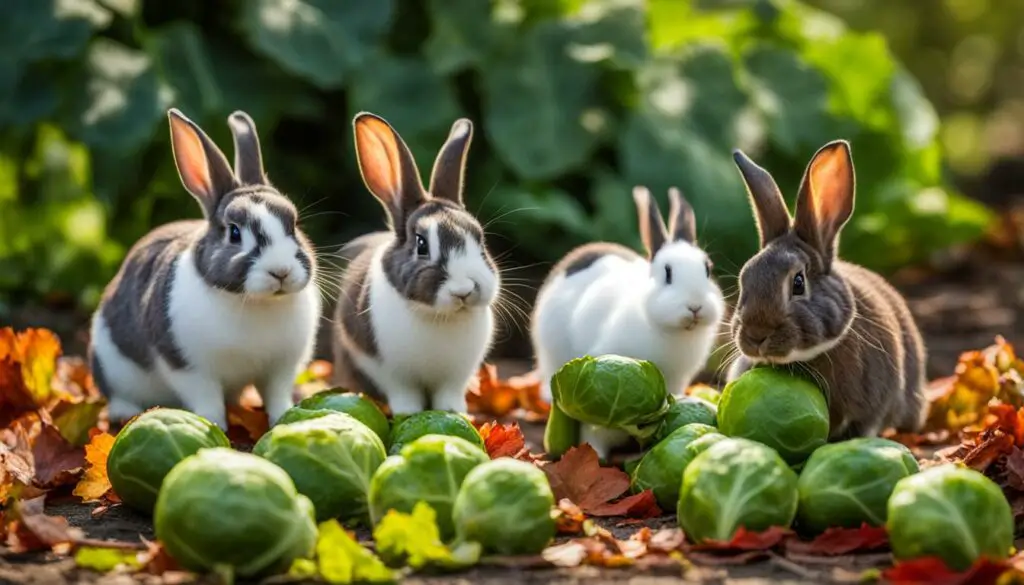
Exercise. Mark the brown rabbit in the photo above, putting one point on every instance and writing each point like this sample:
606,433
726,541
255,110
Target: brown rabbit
839,322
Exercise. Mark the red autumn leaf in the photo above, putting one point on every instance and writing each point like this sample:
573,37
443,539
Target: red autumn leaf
933,571
992,444
745,540
503,440
841,541
56,461
642,505
578,476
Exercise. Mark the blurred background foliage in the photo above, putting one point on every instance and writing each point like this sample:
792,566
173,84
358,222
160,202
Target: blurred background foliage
574,102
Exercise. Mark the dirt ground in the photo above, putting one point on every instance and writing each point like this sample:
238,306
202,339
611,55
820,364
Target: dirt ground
961,308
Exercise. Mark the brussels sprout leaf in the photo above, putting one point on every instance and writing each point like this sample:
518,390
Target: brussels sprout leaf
579,477
340,559
745,540
415,539
841,541
933,570
95,485
104,559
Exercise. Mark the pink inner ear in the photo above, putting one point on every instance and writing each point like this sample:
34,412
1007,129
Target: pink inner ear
378,157
190,158
829,178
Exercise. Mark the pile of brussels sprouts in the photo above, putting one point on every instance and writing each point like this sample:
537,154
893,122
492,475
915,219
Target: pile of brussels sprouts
757,456
333,456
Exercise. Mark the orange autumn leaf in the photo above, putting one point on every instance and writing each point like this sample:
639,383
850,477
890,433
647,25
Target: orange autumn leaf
490,395
28,360
246,425
95,484
503,440
962,400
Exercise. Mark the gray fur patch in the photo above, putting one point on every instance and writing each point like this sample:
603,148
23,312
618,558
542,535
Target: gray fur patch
99,378
585,256
136,301
352,314
349,376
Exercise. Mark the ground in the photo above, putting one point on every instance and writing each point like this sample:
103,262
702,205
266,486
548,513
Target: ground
961,308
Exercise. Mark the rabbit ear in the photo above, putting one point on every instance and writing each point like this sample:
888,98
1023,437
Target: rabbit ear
682,223
203,169
652,227
248,159
773,218
388,168
825,201
450,166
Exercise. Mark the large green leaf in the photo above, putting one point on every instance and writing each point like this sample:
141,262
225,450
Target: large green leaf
535,103
615,218
462,34
42,29
611,29
33,97
860,69
119,104
185,69
318,40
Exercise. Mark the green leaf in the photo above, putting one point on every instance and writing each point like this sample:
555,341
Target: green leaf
126,8
48,29
860,69
416,538
613,209
613,30
340,559
536,104
104,560
119,106
918,122
318,40
32,97
74,420
418,103
462,34
183,63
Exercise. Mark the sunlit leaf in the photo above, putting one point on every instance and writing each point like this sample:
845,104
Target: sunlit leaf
414,539
106,559
95,484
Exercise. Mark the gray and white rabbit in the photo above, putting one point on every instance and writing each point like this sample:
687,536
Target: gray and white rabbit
841,323
414,317
201,308
604,298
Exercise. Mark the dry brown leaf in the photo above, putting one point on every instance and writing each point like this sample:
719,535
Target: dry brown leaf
56,461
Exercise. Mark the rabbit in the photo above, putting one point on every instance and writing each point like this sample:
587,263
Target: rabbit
414,316
199,309
605,298
842,324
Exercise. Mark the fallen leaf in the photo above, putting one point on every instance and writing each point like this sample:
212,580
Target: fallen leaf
341,559
156,560
963,399
994,443
28,360
56,461
642,505
490,395
1008,419
933,571
1015,469
503,440
667,540
74,420
578,476
567,554
841,541
104,560
246,425
569,519
414,539
716,560
32,529
95,485
601,549
745,540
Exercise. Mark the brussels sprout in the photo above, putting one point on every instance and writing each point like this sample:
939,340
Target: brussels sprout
734,483
561,433
505,505
849,483
661,469
297,413
150,445
330,458
777,408
613,392
356,405
223,507
684,411
433,422
429,469
950,512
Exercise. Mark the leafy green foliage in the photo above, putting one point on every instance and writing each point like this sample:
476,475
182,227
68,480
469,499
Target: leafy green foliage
414,539
575,101
341,559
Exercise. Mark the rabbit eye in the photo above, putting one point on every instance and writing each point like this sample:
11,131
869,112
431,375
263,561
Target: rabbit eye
798,284
234,234
707,267
668,274
421,246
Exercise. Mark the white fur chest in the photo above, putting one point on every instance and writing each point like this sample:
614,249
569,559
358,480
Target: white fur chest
421,348
237,340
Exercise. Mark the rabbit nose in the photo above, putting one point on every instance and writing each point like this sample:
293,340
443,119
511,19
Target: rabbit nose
695,310
465,291
280,273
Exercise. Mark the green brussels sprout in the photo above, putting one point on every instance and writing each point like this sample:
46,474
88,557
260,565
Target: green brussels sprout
433,422
297,413
223,507
429,469
705,392
684,411
613,392
505,505
734,483
150,445
849,483
950,512
330,458
777,408
661,469
356,405
561,433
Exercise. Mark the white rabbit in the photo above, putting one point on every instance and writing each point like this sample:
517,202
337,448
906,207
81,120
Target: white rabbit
202,308
414,317
604,298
